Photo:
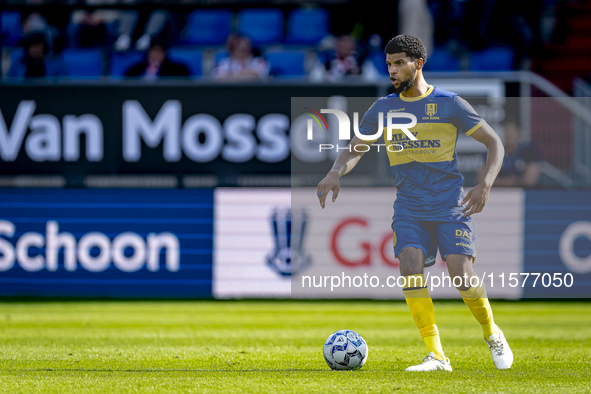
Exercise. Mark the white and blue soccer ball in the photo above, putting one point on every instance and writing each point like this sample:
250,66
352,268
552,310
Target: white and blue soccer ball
345,350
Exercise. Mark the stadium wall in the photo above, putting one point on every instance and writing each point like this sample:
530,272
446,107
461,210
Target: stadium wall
225,243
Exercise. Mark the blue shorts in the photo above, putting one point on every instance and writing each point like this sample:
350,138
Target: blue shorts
451,237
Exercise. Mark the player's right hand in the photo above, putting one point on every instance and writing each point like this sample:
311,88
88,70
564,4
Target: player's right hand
330,182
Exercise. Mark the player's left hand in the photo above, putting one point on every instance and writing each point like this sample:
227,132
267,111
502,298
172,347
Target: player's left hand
476,199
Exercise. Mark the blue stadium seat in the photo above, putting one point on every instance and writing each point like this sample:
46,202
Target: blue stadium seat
262,26
12,30
189,57
307,26
208,27
378,58
287,64
492,59
16,54
120,62
442,60
219,55
83,63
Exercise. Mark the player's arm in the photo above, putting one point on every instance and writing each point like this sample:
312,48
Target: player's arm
477,197
344,163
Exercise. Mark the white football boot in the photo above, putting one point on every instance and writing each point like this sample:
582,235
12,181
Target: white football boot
430,363
499,349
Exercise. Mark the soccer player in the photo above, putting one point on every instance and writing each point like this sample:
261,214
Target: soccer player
430,208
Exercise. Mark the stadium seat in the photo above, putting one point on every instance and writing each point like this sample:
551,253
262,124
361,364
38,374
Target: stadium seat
83,63
378,58
207,27
189,57
16,54
262,26
120,62
492,59
442,60
287,64
307,26
12,30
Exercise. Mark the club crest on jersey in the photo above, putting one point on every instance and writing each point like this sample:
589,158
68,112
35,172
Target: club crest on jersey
431,109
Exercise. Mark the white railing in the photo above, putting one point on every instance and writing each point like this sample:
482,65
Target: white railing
582,164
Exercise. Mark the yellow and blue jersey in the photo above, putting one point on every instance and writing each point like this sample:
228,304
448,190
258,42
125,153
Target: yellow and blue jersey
426,170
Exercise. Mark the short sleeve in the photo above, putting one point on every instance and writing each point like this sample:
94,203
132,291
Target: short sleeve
369,123
464,117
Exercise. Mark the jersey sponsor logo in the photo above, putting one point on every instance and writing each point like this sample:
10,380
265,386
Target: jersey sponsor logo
406,143
435,142
431,109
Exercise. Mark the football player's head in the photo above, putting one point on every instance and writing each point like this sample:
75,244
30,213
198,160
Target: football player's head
405,55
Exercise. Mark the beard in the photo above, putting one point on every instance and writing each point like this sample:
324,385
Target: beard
405,85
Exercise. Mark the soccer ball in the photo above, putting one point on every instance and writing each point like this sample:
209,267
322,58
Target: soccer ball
345,349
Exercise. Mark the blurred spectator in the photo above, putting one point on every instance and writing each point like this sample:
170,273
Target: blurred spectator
241,64
522,165
36,61
335,65
414,17
92,30
35,22
157,64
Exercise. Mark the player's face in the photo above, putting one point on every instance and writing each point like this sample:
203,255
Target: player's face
403,71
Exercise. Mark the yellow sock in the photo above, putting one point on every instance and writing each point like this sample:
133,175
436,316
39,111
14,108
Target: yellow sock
421,308
476,299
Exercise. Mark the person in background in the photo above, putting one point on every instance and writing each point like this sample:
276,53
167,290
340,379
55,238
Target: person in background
334,66
522,165
157,64
91,27
36,61
241,64
36,22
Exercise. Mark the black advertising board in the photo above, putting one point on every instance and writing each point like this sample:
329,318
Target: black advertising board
129,128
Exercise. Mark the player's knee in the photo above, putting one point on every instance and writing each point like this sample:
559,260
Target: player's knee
411,261
460,270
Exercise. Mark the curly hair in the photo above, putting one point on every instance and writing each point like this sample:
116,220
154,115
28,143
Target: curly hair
409,44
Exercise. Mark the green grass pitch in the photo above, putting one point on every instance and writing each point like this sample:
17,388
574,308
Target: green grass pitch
276,346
